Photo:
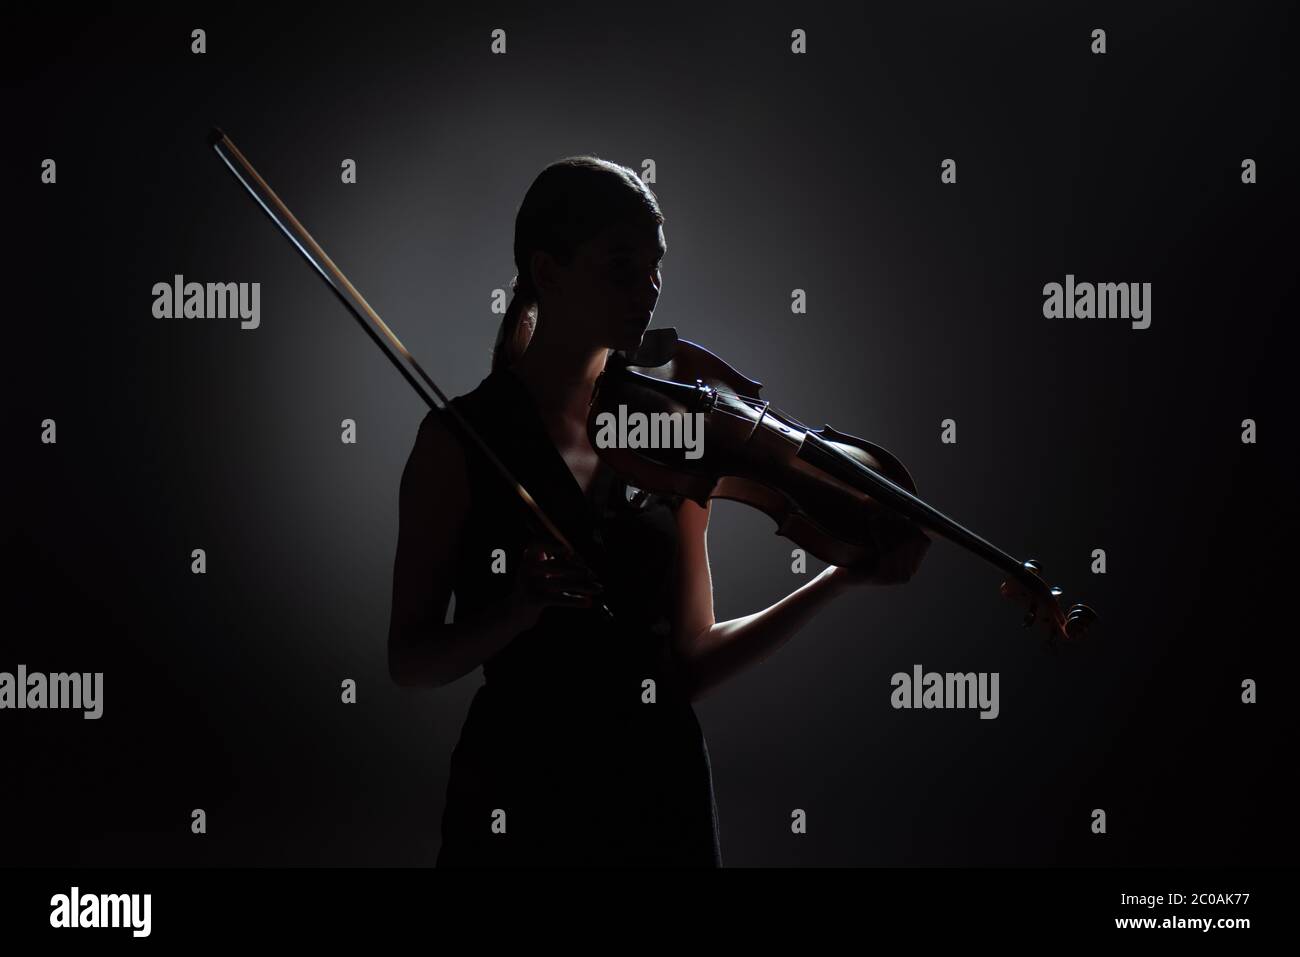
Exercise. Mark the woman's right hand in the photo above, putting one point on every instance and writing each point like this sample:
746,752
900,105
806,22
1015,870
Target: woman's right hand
548,579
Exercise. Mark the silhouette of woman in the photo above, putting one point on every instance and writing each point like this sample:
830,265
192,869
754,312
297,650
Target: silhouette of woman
582,747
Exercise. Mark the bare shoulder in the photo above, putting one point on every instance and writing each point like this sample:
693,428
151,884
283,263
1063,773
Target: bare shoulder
436,435
436,466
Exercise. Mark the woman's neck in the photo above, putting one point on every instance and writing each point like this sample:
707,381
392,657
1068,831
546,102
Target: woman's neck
560,376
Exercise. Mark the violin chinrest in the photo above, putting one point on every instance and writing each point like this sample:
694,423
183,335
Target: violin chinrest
657,347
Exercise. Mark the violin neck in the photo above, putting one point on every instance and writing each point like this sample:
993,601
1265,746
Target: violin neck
831,459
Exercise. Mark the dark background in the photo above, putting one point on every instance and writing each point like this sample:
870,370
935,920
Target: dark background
775,171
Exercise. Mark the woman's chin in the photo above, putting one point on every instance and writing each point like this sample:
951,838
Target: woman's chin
630,340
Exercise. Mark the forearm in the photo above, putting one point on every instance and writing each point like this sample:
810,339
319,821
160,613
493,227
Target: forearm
433,656
726,648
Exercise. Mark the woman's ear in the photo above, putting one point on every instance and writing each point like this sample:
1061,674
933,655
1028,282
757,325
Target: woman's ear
542,267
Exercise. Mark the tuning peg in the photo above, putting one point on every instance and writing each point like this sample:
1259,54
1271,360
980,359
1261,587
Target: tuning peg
1032,565
1078,620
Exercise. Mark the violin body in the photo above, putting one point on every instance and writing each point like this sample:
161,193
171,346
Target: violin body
752,454
840,497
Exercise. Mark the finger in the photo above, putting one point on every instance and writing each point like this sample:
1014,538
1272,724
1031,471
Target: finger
568,575
548,586
543,556
581,587
533,555
556,556
567,595
571,600
566,564
561,577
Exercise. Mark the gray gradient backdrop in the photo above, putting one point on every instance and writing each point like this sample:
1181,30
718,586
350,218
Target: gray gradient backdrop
774,171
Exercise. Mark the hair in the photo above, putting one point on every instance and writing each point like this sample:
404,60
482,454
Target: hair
570,202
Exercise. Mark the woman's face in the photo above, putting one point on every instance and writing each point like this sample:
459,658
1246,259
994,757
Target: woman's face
607,296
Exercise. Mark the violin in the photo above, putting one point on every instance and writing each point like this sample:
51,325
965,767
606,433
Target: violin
829,492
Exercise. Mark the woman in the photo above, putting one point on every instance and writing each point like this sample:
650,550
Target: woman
582,746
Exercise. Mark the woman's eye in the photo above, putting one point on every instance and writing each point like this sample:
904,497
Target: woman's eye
626,273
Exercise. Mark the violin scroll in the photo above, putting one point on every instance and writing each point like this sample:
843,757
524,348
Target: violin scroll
1043,606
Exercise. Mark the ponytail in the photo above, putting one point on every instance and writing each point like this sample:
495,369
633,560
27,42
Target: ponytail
516,326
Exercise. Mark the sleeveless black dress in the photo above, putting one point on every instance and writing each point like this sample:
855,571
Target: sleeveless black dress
562,759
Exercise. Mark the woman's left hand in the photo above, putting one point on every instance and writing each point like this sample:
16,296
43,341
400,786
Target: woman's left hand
902,547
